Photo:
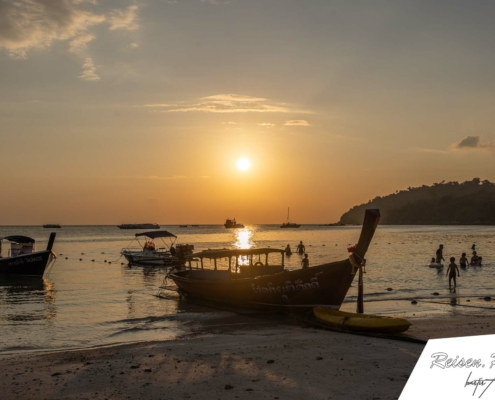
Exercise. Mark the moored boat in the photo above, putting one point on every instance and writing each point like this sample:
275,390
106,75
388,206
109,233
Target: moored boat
232,223
266,285
289,224
360,322
138,226
22,259
149,254
56,226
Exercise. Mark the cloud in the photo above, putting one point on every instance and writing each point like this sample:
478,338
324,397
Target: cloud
27,25
159,105
123,19
36,24
266,124
80,42
473,143
297,122
89,71
231,103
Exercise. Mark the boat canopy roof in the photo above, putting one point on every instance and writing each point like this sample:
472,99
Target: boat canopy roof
156,234
221,253
18,239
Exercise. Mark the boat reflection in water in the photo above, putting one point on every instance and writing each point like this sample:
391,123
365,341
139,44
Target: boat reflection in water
27,299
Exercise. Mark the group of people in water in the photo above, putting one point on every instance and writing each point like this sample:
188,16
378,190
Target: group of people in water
475,261
301,249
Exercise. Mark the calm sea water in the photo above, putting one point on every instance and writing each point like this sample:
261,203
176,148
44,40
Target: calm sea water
83,303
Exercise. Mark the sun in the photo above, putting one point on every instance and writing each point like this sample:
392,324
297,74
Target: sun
243,164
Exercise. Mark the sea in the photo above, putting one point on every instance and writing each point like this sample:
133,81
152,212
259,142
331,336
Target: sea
91,297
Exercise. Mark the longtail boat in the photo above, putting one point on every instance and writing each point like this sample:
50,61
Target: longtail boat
22,259
263,286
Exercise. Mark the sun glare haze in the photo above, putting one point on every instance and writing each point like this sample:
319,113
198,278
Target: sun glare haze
243,164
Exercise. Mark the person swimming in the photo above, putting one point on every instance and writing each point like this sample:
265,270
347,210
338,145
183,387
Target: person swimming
463,261
475,260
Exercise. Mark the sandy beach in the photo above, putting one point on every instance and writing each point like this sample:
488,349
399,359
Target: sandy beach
252,360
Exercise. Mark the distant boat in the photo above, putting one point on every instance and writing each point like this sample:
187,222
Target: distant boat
139,226
22,259
182,226
57,226
232,223
289,224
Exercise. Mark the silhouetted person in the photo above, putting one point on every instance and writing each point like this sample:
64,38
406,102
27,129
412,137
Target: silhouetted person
288,251
439,254
172,250
301,248
451,271
463,261
475,260
305,262
473,247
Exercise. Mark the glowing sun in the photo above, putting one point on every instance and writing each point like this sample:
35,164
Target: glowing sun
243,164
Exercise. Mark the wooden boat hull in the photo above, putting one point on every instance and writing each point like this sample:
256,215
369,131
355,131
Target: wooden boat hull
33,264
325,284
360,322
266,287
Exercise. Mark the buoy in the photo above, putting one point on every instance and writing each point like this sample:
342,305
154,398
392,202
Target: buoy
80,259
109,262
102,252
105,260
66,258
82,254
389,289
414,302
487,298
435,293
93,260
468,300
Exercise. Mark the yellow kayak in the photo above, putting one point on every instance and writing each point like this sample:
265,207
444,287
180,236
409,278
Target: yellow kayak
360,322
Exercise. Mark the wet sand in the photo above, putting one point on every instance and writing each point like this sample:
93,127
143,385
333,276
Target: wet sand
255,360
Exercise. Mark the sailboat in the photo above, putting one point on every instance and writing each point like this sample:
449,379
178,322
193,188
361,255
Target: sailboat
289,224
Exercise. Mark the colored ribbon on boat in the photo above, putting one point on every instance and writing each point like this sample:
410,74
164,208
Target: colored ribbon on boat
356,266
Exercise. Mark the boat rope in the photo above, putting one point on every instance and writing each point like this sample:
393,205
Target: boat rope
51,263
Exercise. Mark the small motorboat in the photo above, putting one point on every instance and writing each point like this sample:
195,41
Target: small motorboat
22,259
149,254
53,226
360,322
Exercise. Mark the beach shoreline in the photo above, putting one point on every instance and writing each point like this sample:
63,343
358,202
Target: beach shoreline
285,361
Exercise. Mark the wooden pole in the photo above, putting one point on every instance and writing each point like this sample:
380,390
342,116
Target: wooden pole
360,298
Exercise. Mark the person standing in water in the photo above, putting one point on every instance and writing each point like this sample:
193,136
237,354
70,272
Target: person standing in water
305,262
439,254
301,248
463,261
451,271
288,251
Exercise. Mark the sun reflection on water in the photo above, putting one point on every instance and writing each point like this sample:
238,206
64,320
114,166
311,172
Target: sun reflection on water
244,241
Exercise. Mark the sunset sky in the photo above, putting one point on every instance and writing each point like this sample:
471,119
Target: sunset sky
138,111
